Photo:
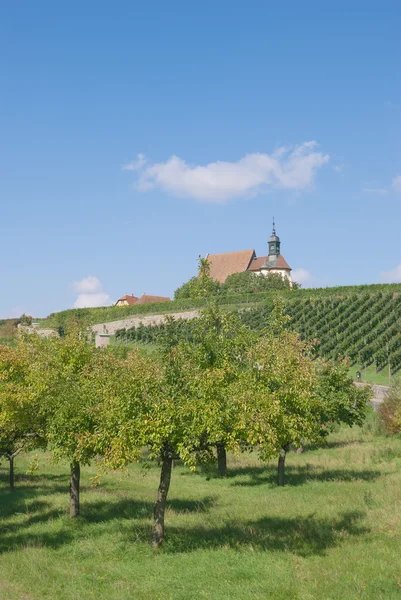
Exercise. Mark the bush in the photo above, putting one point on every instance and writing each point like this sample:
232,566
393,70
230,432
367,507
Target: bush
201,286
25,319
251,283
390,409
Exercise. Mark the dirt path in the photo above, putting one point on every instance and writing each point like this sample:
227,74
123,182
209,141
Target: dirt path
379,393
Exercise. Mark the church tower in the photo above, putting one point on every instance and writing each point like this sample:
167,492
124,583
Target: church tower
274,244
228,263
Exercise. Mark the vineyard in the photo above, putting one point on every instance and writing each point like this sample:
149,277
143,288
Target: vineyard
364,327
114,313
362,323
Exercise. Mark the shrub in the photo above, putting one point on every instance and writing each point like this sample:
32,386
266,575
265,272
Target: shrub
251,283
201,286
390,409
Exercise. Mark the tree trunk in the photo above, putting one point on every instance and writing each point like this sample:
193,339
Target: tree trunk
160,505
221,460
11,460
74,489
281,464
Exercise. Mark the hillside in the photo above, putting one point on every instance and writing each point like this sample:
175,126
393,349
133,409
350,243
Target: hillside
362,323
365,326
113,313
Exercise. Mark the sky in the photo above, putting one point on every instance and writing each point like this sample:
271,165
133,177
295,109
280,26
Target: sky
135,137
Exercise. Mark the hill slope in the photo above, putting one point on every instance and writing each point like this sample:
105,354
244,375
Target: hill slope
362,323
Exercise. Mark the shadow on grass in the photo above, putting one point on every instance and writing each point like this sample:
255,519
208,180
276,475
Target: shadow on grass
30,512
331,444
298,475
99,512
45,484
25,478
304,536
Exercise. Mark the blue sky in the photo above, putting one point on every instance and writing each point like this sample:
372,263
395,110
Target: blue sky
136,136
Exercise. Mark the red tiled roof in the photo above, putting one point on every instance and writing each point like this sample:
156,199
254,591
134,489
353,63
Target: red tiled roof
128,298
257,263
227,263
279,263
282,263
146,299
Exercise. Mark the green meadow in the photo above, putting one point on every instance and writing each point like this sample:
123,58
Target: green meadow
332,533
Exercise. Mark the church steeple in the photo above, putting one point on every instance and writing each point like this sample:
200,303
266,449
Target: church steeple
274,243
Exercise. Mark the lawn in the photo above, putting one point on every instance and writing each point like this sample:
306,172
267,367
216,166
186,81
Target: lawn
369,375
332,533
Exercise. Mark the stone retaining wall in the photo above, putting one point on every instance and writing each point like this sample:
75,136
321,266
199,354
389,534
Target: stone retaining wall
112,326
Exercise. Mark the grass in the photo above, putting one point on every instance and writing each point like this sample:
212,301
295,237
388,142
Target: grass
369,375
333,533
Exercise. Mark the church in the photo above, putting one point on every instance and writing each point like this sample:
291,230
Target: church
228,263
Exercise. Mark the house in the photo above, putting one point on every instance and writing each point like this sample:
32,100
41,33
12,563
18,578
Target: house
146,299
127,300
130,299
228,263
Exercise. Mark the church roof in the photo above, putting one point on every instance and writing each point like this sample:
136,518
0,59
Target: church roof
278,262
257,263
228,263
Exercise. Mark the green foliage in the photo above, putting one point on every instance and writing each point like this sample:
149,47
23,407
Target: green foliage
251,283
342,401
21,422
390,409
223,383
58,379
280,401
246,282
131,389
177,404
25,319
201,286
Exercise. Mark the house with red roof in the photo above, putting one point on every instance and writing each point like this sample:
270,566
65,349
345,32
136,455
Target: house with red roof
228,263
127,300
130,299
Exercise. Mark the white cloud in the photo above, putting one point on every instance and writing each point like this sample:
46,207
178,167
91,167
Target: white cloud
375,190
90,293
396,184
393,276
92,300
90,284
339,169
374,187
287,168
135,165
391,104
304,277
